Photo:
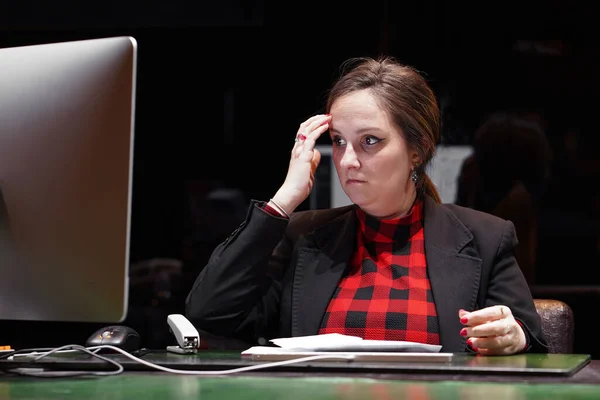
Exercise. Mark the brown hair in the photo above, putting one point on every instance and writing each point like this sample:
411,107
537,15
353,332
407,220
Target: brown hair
406,97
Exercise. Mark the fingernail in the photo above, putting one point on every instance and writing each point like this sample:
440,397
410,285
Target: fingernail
464,320
470,343
463,332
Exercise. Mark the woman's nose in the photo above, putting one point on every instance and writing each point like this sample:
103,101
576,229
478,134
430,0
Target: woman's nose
349,158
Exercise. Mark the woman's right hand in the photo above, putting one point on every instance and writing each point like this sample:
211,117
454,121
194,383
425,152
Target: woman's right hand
303,164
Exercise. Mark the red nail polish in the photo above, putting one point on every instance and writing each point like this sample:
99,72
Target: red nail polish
464,320
470,343
463,332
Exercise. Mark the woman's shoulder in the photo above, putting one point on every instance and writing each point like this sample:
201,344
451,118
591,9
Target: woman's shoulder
466,214
489,232
479,223
310,220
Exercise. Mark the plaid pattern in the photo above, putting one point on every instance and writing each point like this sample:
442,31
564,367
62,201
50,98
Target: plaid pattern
386,295
272,211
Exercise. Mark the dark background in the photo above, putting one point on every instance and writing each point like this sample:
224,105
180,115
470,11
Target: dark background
222,87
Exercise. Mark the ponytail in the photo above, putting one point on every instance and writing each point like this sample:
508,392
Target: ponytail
428,187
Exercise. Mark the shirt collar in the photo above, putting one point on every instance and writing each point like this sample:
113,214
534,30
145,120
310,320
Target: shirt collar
391,230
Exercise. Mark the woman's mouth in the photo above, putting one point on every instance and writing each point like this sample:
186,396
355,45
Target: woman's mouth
354,181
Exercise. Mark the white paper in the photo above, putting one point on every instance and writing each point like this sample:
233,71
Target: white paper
339,342
266,353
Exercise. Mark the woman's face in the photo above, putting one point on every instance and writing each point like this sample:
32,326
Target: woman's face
371,157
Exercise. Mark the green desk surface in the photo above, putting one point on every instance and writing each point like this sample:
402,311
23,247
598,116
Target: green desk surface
531,376
148,386
537,364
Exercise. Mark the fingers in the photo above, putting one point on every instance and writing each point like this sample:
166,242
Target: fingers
312,128
494,328
491,330
308,134
306,124
324,119
311,139
499,345
491,343
484,315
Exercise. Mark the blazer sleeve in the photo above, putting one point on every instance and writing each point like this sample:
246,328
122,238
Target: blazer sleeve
237,293
508,286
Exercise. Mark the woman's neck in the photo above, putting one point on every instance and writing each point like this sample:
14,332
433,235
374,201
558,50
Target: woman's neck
402,210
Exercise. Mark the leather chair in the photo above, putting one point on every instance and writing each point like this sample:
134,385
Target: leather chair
557,325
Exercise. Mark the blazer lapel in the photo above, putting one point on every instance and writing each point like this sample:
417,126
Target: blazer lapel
322,260
454,270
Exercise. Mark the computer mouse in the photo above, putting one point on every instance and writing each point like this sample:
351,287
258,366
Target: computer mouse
120,336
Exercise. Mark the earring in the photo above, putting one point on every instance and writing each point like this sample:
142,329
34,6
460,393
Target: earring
414,176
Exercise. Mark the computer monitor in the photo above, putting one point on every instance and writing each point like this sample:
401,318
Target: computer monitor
66,159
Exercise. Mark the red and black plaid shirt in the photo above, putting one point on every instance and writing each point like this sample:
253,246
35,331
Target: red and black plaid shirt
385,295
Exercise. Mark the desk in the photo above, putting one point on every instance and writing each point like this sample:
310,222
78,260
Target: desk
313,383
462,363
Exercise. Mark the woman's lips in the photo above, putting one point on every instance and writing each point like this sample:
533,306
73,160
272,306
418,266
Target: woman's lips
354,182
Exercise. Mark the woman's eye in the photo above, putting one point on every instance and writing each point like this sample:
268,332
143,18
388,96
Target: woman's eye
338,141
371,140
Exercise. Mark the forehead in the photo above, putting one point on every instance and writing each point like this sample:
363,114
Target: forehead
358,109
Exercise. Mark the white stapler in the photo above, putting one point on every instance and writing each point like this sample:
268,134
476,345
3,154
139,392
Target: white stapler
187,336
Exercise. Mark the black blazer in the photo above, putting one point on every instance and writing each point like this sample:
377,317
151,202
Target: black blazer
274,278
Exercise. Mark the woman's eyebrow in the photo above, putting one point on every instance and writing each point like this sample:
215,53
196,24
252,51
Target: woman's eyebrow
361,130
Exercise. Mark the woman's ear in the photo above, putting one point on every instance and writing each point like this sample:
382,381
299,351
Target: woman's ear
415,159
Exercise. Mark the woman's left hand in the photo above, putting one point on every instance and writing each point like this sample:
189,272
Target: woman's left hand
493,331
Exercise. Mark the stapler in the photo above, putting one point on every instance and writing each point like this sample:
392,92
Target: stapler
187,336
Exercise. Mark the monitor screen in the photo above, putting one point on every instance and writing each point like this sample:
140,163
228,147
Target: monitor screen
66,159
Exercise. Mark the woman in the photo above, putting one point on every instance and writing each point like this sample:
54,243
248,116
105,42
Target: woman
395,265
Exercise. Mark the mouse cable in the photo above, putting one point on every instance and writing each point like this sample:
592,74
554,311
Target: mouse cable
160,367
41,373
230,371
